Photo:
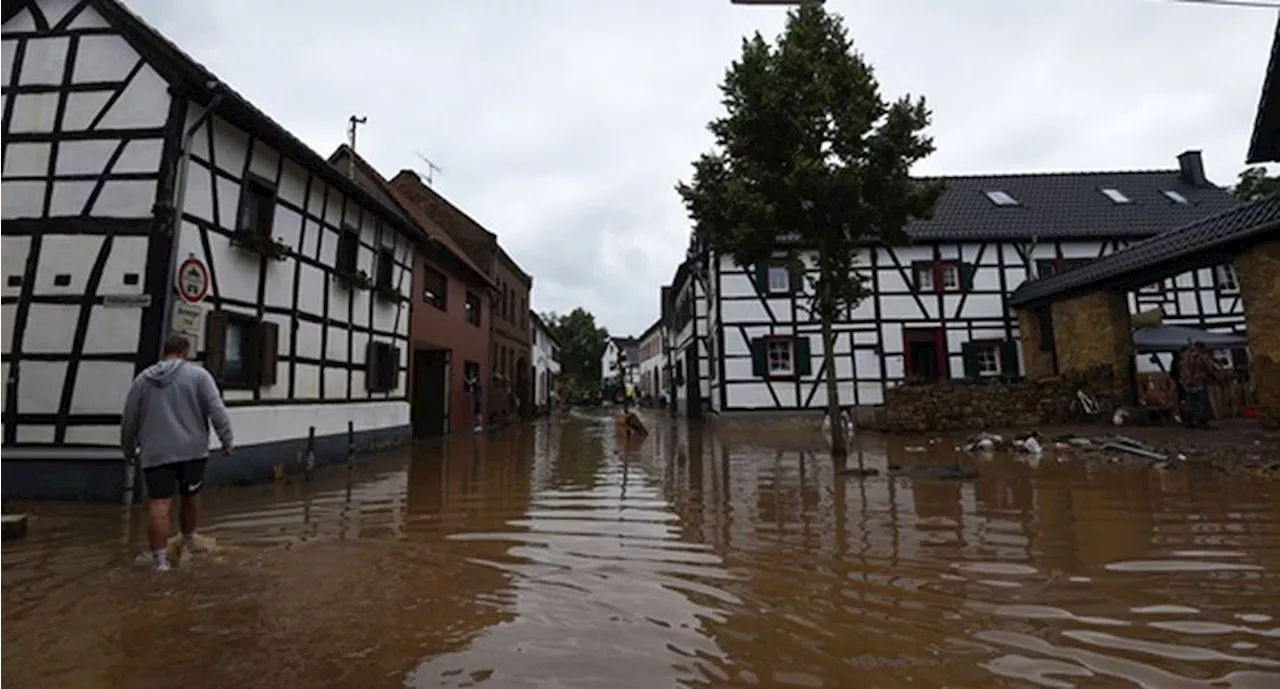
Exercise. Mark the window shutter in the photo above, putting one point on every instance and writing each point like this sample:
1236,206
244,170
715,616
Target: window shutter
392,367
1009,363
371,367
804,358
758,364
967,271
1044,267
762,277
969,355
215,342
918,267
797,274
268,354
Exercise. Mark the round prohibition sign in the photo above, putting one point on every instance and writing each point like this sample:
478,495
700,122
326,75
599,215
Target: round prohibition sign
193,280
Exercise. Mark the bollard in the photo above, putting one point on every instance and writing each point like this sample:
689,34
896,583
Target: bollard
309,459
351,444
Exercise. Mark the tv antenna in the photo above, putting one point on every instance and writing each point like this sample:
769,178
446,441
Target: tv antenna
432,168
351,129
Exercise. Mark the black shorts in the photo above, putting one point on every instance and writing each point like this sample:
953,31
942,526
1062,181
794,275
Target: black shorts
185,478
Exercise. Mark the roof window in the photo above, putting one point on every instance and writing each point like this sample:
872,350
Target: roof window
1000,198
1116,195
1175,197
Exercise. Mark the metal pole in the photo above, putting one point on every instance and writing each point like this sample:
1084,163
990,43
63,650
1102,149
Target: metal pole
179,201
309,460
351,444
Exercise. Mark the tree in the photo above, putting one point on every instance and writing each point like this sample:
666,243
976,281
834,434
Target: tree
1255,183
809,153
581,346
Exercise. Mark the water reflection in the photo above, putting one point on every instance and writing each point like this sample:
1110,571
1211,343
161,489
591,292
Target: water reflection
562,554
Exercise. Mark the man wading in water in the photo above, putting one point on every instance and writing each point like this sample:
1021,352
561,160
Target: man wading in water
166,426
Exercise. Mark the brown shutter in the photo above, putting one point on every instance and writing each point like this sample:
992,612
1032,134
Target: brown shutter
393,368
268,354
215,342
371,366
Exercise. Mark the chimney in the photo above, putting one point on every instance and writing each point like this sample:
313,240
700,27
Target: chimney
1191,169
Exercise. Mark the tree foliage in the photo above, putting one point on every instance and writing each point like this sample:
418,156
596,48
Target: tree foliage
808,147
1255,183
809,153
582,344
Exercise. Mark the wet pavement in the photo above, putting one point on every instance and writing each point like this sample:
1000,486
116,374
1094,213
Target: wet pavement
561,555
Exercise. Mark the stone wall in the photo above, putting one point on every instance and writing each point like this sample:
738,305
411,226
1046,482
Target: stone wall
1258,273
1093,331
957,405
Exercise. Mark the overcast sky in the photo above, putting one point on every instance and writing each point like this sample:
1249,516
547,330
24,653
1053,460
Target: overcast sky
562,125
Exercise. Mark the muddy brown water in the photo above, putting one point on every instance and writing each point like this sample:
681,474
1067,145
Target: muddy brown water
559,555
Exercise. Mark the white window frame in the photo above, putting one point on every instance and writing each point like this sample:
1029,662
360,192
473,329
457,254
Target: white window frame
786,357
1176,197
1001,197
924,279
1153,288
1225,279
950,277
779,279
980,353
1116,195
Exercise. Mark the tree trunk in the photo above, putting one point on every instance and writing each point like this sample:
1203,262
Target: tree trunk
839,447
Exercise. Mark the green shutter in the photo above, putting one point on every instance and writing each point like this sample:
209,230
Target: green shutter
758,364
916,268
1044,267
967,271
762,277
969,354
797,275
1009,363
804,358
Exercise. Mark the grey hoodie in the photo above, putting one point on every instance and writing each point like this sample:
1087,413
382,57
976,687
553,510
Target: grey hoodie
168,412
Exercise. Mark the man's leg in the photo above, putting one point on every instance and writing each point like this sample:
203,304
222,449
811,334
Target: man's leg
190,481
162,481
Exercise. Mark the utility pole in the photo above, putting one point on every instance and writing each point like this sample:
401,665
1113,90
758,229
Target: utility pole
353,122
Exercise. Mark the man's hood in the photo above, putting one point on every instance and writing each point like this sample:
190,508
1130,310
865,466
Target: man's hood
163,373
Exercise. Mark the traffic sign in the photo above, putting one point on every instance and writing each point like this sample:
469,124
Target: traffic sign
193,280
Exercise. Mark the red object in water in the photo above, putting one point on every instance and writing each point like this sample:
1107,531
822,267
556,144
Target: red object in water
1250,411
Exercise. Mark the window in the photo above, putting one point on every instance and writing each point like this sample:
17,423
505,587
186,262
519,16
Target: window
1052,266
779,279
1116,195
240,351
1153,288
472,307
1000,198
924,278
1175,197
942,276
950,277
780,356
509,305
382,367
1224,278
257,208
988,358
435,288
385,269
348,250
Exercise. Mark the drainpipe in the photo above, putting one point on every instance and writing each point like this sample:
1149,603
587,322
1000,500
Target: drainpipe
179,201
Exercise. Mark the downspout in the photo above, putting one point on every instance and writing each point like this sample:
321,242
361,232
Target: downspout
180,199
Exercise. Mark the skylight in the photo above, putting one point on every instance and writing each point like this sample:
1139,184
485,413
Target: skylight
1001,198
1116,195
1175,196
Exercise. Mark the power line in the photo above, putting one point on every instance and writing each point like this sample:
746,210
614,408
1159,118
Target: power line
1233,3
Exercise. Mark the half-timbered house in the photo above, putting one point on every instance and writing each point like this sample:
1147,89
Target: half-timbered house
544,352
124,159
651,359
938,308
689,341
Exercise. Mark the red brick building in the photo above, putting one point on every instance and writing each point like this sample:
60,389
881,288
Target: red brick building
449,317
509,385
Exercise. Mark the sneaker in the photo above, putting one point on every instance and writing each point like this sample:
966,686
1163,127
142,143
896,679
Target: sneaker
163,567
184,555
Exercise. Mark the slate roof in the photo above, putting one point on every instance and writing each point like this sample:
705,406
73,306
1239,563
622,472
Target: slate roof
1264,146
1067,205
1193,245
200,84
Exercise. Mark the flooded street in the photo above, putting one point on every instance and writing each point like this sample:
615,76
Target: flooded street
558,555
